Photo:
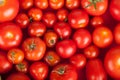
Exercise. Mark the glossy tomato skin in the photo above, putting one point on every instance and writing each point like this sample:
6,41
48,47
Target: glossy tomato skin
63,72
82,38
38,70
5,65
18,76
42,4
34,48
111,62
115,9
72,4
66,48
102,36
117,33
36,29
8,10
78,18
95,7
63,30
26,4
95,70
10,35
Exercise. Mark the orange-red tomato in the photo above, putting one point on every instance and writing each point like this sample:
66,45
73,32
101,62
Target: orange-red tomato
42,4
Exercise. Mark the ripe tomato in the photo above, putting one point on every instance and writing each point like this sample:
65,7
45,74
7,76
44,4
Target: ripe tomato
18,76
50,38
82,38
10,35
56,4
52,58
42,4
34,49
26,4
38,70
36,29
72,4
78,19
66,48
95,70
5,65
112,62
91,51
115,9
63,30
117,33
78,60
95,7
63,72
15,55
102,36
8,10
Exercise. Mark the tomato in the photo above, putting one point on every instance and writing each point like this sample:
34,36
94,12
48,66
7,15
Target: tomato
50,38
78,60
115,9
5,65
26,4
78,19
66,48
42,4
35,14
112,62
10,35
56,4
102,36
22,67
15,55
49,19
52,58
63,72
34,48
18,76
36,29
95,7
22,20
91,51
62,14
82,38
117,33
72,4
38,70
8,10
95,70
63,29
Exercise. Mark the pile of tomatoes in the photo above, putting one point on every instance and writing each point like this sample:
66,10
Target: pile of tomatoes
59,40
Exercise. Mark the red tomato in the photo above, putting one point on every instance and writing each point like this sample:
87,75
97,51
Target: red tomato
72,4
38,70
78,60
102,36
117,33
63,72
34,49
8,10
56,4
78,19
10,35
95,7
112,62
5,65
115,9
42,4
82,38
66,48
63,30
95,70
26,4
36,29
18,76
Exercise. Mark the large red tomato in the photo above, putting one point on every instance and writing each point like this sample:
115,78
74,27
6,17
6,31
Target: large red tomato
8,9
10,35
